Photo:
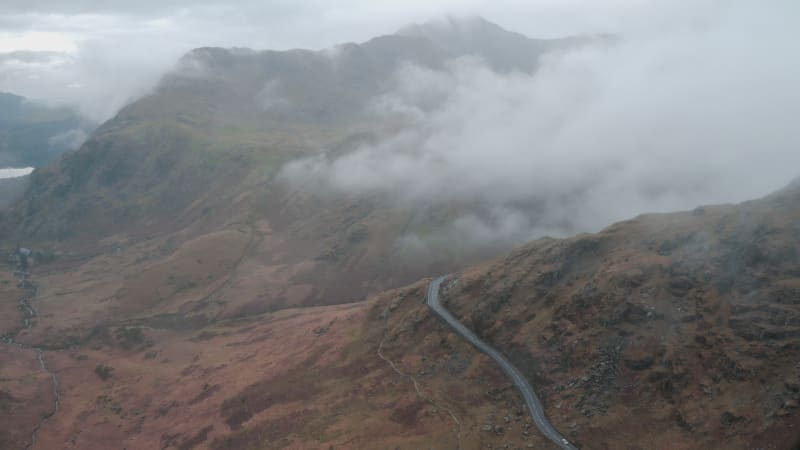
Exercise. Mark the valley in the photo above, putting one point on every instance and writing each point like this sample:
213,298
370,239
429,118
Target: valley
214,268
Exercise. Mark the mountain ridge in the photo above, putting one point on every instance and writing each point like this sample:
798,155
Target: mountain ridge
203,150
186,297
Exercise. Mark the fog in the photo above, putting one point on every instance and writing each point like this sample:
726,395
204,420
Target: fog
670,117
97,56
695,103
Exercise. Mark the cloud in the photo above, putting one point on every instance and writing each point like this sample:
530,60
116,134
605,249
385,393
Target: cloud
659,121
70,139
36,41
694,105
271,98
83,64
117,50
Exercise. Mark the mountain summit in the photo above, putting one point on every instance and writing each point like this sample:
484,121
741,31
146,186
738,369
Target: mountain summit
504,50
335,84
219,106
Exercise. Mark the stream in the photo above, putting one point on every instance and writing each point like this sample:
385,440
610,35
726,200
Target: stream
28,314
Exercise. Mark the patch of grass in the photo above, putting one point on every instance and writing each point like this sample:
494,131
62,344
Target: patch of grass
132,338
27,380
104,372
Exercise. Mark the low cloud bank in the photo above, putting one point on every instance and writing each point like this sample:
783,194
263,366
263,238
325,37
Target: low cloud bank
655,122
71,139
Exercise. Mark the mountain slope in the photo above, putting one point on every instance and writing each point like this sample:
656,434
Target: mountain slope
670,331
201,153
242,112
665,331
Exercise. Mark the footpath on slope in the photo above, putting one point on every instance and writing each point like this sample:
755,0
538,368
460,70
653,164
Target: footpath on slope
420,393
519,380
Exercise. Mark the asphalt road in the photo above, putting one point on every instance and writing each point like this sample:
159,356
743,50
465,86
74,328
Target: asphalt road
519,380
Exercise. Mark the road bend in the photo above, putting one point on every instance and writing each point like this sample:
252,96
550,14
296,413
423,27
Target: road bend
519,380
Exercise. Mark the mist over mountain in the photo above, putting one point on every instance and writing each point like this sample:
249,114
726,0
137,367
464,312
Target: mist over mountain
206,151
245,113
32,135
341,83
500,49
242,256
516,138
598,133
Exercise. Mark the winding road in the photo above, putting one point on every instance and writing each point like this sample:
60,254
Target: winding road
519,380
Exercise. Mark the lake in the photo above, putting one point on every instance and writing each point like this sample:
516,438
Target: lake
12,172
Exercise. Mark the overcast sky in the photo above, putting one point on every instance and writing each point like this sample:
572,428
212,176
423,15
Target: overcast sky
97,55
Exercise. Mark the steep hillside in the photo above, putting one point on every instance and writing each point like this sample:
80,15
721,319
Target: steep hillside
672,331
174,279
199,157
665,331
224,120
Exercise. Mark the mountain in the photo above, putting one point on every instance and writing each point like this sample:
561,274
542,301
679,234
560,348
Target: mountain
32,135
167,244
201,154
166,288
504,51
665,331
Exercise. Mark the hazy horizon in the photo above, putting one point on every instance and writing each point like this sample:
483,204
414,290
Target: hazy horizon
98,56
